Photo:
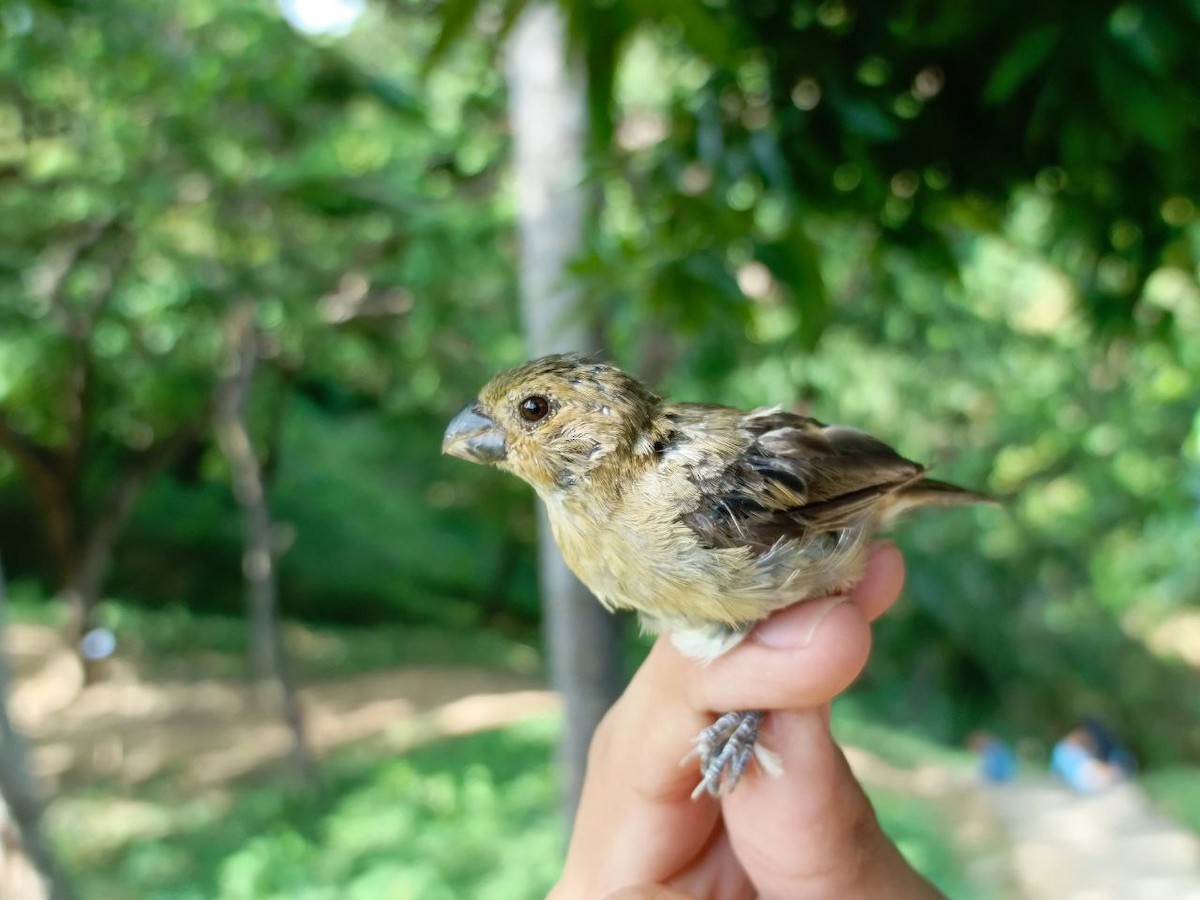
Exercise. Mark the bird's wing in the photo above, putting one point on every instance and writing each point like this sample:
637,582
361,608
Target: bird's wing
771,475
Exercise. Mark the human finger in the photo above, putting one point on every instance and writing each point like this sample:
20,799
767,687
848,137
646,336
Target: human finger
814,795
882,580
799,658
843,851
637,823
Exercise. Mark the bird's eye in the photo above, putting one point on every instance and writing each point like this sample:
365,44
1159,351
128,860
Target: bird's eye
534,408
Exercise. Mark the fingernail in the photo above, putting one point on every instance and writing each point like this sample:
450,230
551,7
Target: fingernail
796,628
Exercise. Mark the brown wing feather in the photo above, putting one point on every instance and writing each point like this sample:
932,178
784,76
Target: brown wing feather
794,478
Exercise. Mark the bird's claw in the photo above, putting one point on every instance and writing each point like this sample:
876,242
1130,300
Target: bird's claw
725,749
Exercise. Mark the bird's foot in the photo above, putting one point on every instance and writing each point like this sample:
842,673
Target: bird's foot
725,749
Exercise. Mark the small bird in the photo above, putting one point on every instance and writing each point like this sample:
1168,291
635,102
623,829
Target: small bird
703,519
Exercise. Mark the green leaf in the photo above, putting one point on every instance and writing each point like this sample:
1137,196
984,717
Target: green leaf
394,97
597,35
864,118
508,18
702,29
796,262
1145,108
1025,57
456,17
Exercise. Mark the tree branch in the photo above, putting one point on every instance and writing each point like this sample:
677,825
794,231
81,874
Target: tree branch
83,375
99,537
50,278
270,670
36,458
119,502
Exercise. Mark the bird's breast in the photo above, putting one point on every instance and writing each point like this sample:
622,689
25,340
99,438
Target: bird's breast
635,553
612,558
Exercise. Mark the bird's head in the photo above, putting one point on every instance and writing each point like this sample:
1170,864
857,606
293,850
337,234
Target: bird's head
554,421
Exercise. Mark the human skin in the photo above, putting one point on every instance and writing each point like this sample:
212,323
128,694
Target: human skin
809,833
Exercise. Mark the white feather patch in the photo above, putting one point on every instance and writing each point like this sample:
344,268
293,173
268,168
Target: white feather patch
707,642
768,760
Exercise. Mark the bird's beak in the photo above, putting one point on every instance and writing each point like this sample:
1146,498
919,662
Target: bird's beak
472,436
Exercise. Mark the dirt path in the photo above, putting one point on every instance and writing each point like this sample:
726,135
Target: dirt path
1037,840
206,731
1112,846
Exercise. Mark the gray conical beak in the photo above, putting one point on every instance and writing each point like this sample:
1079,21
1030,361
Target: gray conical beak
472,436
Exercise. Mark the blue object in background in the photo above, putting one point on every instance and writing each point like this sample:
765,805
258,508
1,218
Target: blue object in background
1108,748
1089,759
1075,765
997,761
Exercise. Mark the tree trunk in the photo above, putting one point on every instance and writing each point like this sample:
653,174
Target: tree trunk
28,869
84,558
90,565
272,683
547,109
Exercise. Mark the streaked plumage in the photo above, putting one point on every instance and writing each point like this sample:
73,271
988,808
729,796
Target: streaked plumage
704,519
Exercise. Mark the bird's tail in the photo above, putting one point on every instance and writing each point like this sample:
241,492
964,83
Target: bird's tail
928,492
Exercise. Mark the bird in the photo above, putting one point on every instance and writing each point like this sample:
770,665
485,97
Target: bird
703,519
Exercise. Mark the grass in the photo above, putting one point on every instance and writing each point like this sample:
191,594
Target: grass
178,643
853,724
470,817
1177,791
923,832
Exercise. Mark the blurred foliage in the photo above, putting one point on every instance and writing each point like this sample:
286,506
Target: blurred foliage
472,817
732,130
1177,790
375,521
162,163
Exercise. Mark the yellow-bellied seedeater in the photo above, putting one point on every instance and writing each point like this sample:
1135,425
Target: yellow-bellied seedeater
704,519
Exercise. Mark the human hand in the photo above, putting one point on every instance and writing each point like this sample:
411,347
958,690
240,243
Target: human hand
811,832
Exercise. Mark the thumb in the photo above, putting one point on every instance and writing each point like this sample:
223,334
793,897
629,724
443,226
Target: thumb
812,832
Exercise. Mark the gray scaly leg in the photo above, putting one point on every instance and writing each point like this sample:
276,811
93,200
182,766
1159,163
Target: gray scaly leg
725,749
